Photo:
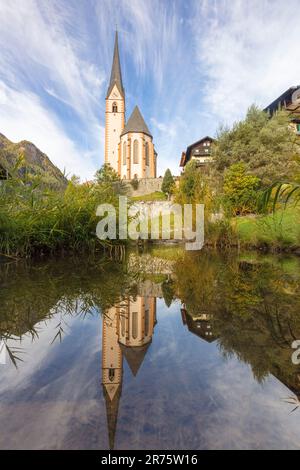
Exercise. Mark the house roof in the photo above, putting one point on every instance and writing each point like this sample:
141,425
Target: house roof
185,156
136,123
283,100
116,75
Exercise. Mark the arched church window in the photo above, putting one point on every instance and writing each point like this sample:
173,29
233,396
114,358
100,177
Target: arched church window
147,153
111,374
124,153
134,325
147,322
123,330
114,108
135,152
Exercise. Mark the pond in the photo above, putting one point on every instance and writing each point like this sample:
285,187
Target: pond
166,350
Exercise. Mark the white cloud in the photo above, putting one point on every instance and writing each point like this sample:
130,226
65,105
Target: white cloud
249,52
189,65
22,117
42,53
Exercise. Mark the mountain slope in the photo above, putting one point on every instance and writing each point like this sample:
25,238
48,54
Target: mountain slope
34,161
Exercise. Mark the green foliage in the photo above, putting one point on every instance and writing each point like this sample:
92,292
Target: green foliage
190,181
269,147
280,193
199,188
156,196
168,183
37,220
106,174
168,291
273,231
240,189
221,233
134,183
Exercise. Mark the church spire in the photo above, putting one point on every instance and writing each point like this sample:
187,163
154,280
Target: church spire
116,75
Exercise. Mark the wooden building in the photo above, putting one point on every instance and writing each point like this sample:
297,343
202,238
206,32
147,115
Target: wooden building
199,151
199,325
289,100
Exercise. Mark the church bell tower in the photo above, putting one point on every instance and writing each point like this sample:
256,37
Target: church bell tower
115,112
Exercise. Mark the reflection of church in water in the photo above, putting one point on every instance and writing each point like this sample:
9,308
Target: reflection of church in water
127,332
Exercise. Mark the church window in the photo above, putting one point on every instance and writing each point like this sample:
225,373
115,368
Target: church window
135,152
114,108
134,325
123,325
147,153
124,153
146,322
111,374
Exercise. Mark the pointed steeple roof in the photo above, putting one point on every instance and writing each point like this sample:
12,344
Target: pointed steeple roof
136,123
116,75
134,356
112,408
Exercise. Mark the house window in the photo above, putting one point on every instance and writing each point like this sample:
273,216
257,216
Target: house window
135,152
114,108
147,153
124,153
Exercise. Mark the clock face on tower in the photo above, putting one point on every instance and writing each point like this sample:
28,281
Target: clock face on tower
115,95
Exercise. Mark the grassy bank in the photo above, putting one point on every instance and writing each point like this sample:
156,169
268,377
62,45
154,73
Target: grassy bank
156,196
278,231
36,221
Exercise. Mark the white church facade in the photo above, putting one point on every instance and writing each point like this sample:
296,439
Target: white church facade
129,147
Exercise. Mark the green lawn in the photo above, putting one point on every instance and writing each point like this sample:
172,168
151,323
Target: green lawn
280,230
156,196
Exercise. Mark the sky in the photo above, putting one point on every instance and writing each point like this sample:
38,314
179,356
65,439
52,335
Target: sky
190,65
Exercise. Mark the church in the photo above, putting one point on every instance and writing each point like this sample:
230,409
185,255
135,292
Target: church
129,147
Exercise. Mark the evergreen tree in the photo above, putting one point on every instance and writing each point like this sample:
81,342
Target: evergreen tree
268,146
240,189
168,183
106,174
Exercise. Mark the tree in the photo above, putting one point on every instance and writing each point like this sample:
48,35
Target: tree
168,183
106,174
197,187
269,147
240,189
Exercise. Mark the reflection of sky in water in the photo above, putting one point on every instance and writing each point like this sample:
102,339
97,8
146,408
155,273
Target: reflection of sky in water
185,395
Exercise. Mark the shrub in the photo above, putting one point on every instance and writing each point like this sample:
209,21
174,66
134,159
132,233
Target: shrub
240,189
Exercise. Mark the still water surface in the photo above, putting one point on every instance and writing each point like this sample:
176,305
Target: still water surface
159,352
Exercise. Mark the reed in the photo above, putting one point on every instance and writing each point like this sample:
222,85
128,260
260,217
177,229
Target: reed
35,220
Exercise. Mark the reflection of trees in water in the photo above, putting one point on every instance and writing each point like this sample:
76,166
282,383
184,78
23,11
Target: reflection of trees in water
254,309
35,292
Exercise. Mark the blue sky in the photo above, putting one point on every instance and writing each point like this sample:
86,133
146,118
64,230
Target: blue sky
190,65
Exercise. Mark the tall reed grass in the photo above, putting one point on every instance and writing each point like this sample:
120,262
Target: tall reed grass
35,220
